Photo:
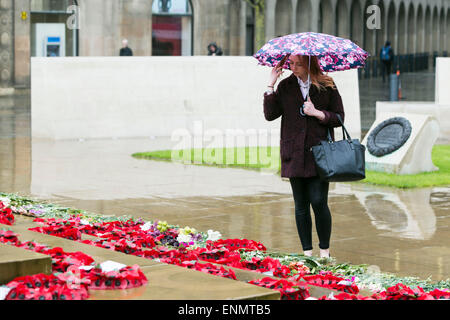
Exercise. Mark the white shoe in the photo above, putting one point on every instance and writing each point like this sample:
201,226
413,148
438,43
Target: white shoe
325,253
308,253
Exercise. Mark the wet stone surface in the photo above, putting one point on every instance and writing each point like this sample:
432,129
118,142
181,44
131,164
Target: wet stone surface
405,232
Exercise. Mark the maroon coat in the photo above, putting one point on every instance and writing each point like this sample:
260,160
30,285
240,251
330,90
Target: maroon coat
299,134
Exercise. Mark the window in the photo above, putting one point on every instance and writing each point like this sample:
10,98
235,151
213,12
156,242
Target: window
172,28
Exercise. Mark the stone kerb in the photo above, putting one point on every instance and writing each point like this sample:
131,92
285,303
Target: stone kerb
126,97
415,154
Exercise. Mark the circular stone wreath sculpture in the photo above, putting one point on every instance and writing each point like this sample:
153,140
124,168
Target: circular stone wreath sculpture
377,151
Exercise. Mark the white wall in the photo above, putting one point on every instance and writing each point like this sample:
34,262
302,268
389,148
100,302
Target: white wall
443,81
107,97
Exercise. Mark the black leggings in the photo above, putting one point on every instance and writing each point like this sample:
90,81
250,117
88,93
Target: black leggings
314,192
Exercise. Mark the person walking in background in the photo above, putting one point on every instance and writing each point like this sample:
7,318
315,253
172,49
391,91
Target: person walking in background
125,50
214,50
308,86
387,58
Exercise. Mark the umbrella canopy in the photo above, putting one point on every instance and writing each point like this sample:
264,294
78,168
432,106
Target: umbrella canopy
334,53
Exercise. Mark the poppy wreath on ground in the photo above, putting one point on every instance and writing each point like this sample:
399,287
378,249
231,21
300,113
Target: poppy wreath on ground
403,292
440,294
219,256
236,244
145,242
329,281
214,270
162,253
346,296
33,246
126,246
9,237
267,264
125,278
397,292
67,232
6,216
64,264
289,290
44,287
62,260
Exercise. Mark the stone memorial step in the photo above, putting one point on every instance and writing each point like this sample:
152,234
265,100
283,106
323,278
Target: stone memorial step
165,282
17,262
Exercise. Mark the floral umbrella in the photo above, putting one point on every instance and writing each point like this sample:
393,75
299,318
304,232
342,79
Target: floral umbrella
334,53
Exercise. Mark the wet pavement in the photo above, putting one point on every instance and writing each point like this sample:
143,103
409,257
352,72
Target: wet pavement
404,232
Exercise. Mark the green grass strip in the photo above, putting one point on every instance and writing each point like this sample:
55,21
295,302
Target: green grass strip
268,158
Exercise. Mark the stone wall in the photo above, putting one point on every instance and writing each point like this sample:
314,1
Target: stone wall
22,44
6,43
126,97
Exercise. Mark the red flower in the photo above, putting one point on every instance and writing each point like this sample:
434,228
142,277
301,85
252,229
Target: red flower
439,294
6,216
289,290
236,244
329,281
9,237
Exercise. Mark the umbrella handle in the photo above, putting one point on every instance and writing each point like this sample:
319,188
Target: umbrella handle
302,113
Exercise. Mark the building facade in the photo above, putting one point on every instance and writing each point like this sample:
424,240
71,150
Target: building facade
185,27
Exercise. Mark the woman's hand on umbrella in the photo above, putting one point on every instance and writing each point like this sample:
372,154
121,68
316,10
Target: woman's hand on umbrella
275,74
309,108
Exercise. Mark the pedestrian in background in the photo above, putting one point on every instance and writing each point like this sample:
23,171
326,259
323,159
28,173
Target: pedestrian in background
125,51
387,58
214,50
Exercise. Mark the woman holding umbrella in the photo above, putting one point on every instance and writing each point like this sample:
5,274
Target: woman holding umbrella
308,103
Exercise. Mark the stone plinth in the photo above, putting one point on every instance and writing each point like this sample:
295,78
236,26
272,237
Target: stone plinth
415,155
440,112
16,262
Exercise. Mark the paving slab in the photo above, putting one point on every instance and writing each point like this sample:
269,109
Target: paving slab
17,262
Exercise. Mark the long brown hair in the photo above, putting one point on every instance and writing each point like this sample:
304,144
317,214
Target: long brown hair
318,79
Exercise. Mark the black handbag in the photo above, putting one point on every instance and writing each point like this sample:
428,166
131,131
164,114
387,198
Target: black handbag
340,161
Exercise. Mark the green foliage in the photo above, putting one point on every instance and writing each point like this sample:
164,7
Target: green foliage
256,158
260,158
441,159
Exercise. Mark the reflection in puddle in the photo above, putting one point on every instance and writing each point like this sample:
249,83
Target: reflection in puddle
385,214
403,213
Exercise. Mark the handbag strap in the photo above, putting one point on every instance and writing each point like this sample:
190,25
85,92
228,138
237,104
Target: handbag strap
345,134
